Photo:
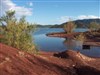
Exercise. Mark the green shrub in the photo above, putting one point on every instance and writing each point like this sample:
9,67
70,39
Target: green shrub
80,37
69,27
17,33
94,26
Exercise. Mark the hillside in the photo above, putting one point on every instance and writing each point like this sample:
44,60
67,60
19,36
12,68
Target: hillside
80,23
16,62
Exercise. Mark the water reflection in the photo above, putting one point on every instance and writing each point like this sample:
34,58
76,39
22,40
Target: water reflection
54,44
86,47
69,43
73,44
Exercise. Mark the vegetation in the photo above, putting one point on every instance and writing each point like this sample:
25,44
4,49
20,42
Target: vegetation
80,37
94,26
16,33
69,27
80,23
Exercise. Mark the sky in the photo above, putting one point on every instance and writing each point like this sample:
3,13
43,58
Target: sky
48,12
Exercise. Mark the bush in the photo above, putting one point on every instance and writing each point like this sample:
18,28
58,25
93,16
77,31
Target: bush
94,26
80,37
69,27
16,33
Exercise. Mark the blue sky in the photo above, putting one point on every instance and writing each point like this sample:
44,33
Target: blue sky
55,11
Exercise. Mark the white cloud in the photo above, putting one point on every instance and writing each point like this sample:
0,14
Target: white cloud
63,19
87,17
30,4
9,5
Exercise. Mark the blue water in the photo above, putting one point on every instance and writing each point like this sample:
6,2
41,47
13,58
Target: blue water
53,44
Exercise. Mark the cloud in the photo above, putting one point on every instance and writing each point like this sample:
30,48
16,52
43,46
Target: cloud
63,19
9,5
30,4
87,17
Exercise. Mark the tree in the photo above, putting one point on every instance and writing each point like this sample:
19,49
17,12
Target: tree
69,27
9,16
17,33
94,26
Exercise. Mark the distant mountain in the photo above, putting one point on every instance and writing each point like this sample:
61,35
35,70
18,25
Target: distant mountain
80,23
43,26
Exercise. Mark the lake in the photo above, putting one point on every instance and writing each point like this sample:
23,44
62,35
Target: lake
55,44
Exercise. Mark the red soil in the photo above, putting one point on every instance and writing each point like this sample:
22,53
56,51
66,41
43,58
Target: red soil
63,34
16,62
1,36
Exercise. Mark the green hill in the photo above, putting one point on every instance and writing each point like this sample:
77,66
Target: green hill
80,23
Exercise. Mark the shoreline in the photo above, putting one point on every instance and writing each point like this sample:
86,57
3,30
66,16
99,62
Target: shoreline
89,41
